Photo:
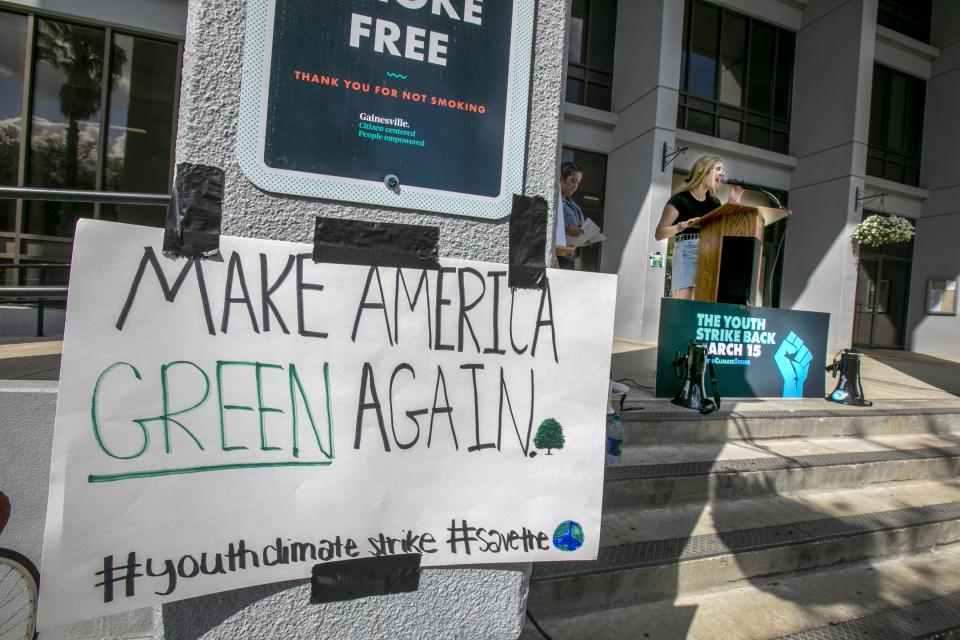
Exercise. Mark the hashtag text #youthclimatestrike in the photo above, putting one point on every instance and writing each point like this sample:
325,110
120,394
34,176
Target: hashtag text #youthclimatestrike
166,573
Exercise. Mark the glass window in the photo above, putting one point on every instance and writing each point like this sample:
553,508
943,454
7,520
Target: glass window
762,47
703,52
757,137
13,45
729,129
736,79
878,108
700,122
42,250
603,27
57,219
913,127
780,142
141,115
140,124
783,83
590,52
733,59
68,79
909,17
896,126
578,18
102,114
897,102
576,90
598,96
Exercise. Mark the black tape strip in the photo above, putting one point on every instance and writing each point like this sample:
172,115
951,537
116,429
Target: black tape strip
528,242
194,213
382,244
350,579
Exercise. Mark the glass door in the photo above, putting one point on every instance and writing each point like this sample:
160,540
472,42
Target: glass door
883,289
880,314
866,301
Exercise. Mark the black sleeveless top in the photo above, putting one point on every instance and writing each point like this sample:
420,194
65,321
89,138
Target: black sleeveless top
689,207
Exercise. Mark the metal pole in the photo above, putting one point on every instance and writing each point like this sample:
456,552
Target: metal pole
43,281
48,293
77,195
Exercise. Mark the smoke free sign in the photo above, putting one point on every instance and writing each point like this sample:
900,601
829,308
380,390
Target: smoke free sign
337,96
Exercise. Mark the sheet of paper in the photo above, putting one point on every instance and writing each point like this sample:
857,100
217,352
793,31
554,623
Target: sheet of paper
591,235
229,423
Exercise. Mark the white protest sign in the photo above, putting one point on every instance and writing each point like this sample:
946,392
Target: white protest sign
229,423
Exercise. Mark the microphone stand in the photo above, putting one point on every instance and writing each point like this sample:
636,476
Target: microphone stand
772,197
752,187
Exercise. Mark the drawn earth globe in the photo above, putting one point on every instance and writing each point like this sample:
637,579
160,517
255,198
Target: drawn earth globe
568,536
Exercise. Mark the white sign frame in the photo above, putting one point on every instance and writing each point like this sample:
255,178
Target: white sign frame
144,469
252,125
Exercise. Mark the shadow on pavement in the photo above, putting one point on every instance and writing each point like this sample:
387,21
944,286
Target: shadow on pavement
942,372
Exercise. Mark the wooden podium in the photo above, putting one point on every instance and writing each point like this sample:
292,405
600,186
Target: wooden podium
731,243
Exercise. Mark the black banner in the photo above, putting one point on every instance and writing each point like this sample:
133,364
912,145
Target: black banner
757,352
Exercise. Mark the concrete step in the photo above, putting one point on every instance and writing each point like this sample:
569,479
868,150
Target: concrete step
628,526
657,476
649,562
661,423
903,597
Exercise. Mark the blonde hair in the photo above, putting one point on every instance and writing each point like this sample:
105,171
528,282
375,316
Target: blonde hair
700,170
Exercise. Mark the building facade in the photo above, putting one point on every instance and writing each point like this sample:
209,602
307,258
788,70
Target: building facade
841,108
826,103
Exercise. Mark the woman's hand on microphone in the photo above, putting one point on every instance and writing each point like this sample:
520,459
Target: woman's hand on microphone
736,192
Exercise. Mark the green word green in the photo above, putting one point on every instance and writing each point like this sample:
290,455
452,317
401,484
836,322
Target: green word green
173,414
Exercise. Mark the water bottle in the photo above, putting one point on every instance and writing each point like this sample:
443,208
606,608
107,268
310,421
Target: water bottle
614,440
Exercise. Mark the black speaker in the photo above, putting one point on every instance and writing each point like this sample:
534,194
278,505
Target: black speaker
691,368
849,390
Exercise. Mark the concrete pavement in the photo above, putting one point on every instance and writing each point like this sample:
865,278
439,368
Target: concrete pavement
886,374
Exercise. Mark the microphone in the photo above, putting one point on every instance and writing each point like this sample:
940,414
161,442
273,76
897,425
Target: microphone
752,187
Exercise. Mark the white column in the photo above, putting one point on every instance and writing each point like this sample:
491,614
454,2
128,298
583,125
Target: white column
646,79
935,253
829,130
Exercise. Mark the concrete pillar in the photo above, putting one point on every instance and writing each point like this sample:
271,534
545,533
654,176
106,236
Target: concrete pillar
486,602
647,72
935,252
831,118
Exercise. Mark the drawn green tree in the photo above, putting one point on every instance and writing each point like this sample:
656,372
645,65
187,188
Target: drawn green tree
549,435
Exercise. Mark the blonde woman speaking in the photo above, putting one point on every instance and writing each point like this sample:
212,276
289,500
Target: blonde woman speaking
681,217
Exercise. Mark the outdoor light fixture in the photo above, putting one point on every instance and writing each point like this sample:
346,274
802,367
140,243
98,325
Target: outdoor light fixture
671,156
862,197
